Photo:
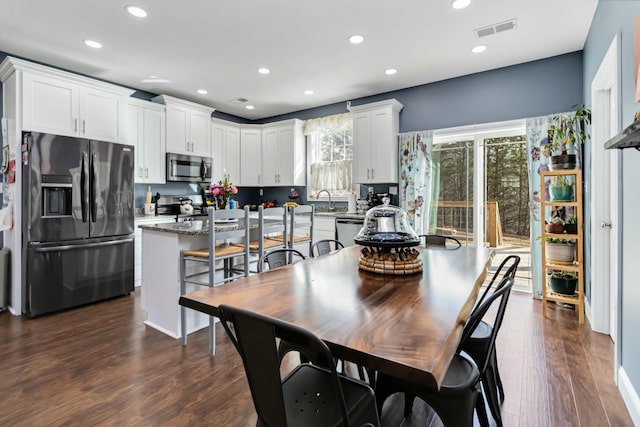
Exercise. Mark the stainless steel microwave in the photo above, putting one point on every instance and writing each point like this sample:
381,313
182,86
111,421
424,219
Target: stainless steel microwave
184,168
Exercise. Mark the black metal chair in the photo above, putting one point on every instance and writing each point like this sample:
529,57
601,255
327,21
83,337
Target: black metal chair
279,258
459,393
477,343
322,247
310,395
437,240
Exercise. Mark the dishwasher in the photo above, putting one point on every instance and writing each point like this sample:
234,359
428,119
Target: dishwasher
347,229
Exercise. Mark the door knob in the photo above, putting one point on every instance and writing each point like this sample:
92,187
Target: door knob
605,224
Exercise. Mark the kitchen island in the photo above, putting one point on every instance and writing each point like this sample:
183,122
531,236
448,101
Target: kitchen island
161,246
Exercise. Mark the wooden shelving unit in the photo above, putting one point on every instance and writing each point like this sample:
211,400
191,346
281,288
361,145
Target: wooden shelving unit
577,266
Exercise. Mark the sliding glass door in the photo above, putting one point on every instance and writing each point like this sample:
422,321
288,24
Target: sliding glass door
480,186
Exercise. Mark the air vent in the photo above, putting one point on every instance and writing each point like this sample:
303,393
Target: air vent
496,28
240,100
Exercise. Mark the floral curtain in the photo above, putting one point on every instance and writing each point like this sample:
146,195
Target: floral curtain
539,154
538,149
415,177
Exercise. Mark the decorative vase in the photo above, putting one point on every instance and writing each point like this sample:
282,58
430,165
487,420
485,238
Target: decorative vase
554,228
571,228
560,252
563,285
561,193
221,203
563,161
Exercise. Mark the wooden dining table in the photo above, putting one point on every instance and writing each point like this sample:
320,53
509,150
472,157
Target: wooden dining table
407,326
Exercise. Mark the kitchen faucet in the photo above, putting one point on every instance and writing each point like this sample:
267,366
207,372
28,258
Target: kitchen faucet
331,207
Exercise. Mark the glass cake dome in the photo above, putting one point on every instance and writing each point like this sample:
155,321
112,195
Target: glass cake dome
387,226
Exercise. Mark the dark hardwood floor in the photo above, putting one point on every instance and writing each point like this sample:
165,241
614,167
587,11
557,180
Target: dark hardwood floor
100,365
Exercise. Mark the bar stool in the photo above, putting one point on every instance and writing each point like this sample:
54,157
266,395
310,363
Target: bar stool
301,225
272,231
236,225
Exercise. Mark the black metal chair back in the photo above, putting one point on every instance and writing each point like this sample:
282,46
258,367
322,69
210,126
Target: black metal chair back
323,247
501,294
511,264
279,258
436,240
310,395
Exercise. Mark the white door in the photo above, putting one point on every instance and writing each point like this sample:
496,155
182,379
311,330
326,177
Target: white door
604,196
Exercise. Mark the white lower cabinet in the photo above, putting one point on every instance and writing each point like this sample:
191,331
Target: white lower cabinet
138,241
324,227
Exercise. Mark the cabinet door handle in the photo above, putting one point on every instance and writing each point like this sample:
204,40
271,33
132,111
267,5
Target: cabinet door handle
605,224
75,124
367,173
84,127
146,172
258,178
372,173
140,174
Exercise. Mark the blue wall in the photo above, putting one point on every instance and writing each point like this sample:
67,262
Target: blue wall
531,89
616,18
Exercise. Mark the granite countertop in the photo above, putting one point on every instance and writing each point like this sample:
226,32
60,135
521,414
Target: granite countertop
196,228
193,228
150,217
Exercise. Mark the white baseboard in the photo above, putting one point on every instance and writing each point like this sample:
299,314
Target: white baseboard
587,310
629,395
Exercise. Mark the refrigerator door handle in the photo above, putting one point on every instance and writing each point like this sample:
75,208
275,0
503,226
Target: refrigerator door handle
94,187
83,246
84,197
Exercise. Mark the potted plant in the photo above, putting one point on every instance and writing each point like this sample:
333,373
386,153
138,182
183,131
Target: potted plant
561,189
571,225
563,282
556,226
568,131
560,250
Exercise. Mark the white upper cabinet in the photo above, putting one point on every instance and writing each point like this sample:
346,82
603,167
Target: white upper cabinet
283,153
188,126
62,103
225,150
375,142
251,157
146,131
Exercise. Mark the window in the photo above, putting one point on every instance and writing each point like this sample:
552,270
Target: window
330,155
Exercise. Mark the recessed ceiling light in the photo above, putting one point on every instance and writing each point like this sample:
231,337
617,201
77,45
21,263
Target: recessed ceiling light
202,91
356,39
264,70
460,4
479,49
92,43
136,11
309,92
249,107
390,71
155,79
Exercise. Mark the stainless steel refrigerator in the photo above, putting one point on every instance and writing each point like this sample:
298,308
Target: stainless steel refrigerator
78,244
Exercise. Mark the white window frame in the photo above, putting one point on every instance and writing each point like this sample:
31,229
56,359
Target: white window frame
323,197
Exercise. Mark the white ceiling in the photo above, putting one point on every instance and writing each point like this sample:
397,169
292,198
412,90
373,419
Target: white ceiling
218,45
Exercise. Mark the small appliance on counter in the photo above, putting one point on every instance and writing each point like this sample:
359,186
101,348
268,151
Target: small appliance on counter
182,206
